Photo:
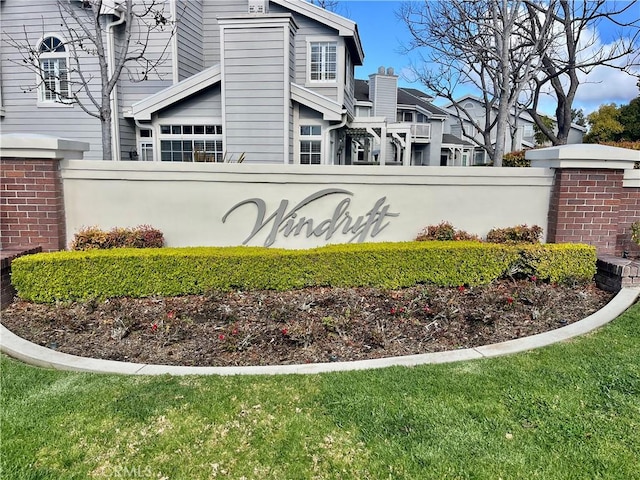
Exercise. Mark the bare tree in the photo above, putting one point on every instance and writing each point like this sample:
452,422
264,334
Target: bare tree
477,45
575,51
116,36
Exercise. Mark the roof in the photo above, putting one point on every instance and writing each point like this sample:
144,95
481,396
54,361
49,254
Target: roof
406,96
523,115
330,110
417,93
143,109
447,138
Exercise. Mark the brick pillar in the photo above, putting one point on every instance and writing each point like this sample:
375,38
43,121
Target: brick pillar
629,213
31,204
589,200
31,191
584,207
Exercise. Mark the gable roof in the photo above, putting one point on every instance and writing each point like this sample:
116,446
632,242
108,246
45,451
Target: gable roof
143,109
405,96
523,115
345,27
330,110
449,139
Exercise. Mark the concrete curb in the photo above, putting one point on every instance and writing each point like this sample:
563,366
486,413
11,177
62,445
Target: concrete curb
37,355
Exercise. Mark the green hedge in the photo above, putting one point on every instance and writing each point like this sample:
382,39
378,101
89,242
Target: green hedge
564,263
65,276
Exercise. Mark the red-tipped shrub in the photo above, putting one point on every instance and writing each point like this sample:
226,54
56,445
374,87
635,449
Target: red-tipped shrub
143,236
444,231
517,234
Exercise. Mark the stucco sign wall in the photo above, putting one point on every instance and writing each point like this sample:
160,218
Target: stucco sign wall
298,206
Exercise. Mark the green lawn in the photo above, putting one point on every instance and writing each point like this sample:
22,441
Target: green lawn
571,411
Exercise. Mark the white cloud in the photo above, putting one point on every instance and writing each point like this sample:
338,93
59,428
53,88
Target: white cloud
601,84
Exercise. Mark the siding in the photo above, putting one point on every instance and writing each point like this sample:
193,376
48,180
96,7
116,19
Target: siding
433,155
205,105
384,93
349,88
158,50
212,10
190,37
312,28
22,113
292,76
254,69
127,138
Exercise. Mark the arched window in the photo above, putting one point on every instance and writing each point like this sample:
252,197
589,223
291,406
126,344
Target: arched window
54,74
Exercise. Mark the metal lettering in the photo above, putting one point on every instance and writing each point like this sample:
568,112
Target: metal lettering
287,222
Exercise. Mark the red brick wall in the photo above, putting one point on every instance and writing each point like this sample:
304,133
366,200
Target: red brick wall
31,204
591,206
629,213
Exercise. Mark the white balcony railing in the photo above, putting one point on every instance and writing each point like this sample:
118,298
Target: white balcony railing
420,130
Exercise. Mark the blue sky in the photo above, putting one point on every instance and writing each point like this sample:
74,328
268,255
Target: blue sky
383,36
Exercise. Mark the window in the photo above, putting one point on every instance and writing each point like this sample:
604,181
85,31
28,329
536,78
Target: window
191,143
54,75
323,61
145,145
527,131
310,144
405,116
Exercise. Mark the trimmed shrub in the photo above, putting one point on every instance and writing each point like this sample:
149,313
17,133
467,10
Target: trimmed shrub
142,236
564,263
82,275
444,231
517,234
515,159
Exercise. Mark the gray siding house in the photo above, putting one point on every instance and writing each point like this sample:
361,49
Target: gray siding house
259,81
523,129
411,126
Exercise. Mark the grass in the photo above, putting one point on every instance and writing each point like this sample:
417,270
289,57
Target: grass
570,411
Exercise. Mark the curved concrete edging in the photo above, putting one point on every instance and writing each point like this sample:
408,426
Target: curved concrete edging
37,355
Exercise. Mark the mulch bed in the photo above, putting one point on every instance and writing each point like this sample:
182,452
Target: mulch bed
303,326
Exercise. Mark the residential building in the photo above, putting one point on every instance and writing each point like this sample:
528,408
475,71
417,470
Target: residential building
268,81
521,135
411,126
259,81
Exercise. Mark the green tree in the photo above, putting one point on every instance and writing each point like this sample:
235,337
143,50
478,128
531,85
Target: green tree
541,138
604,124
630,119
577,117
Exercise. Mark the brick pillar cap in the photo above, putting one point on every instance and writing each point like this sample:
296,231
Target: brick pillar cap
584,155
18,145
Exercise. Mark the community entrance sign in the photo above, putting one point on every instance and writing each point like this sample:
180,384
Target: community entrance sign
287,221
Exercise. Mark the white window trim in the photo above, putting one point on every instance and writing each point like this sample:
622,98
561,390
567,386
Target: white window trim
56,103
300,138
145,140
158,136
339,61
